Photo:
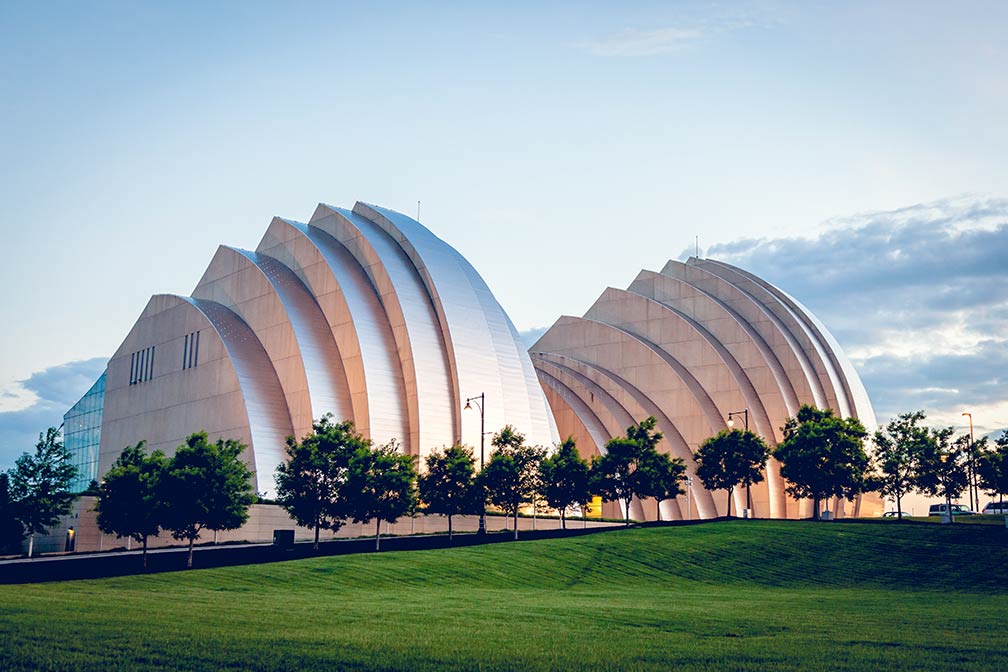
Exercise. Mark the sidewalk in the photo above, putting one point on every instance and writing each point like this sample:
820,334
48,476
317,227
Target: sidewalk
124,563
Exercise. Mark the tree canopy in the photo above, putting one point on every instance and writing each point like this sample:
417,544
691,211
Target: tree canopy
621,473
942,467
447,486
311,484
993,468
822,456
206,486
731,458
381,485
564,478
40,485
129,497
511,477
898,448
11,529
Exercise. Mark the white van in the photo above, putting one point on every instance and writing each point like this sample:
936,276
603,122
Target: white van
996,509
957,510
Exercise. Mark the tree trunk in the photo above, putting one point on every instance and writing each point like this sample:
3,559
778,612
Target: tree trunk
145,552
563,519
729,501
948,507
31,544
377,535
189,560
449,527
899,508
815,508
317,526
516,523
626,502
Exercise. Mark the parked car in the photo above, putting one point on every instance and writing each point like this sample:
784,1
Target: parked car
996,509
895,514
957,510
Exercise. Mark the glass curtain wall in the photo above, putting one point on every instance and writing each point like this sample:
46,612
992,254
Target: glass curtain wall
82,434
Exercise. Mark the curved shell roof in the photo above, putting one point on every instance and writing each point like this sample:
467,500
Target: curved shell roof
363,313
689,345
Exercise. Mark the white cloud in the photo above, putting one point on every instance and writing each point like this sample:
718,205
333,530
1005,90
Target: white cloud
632,42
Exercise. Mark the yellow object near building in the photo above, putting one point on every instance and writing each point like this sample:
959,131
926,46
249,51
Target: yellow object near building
594,508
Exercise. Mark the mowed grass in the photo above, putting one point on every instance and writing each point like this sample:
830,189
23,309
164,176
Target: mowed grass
742,595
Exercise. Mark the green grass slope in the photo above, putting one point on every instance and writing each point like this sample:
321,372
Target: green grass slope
744,595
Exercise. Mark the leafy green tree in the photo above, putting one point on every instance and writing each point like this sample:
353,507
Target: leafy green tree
311,483
381,486
942,468
564,477
511,477
40,485
662,476
448,486
617,475
129,496
11,529
898,447
822,456
205,486
993,468
731,458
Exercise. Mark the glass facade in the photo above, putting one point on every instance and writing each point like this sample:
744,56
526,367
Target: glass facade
82,434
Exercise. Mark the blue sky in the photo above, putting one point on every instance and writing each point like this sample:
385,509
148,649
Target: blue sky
560,147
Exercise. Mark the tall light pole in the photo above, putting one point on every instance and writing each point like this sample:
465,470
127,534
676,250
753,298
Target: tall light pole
480,401
731,423
689,496
972,467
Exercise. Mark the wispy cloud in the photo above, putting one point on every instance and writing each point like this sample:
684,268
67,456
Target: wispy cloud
632,42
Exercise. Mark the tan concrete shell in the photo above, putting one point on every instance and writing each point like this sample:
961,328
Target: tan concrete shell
688,346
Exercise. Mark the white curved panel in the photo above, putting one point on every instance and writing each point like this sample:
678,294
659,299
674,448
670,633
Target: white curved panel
358,323
268,415
473,324
432,404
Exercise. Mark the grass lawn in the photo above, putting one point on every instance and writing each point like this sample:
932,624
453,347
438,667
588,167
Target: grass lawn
741,595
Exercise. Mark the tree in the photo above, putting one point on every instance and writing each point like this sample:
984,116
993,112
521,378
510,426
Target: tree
731,458
942,468
564,477
447,486
40,485
617,475
822,456
511,477
310,485
11,529
381,485
129,496
662,475
206,486
993,468
898,447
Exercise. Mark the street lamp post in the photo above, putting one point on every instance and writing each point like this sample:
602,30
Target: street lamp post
689,497
731,423
972,467
480,401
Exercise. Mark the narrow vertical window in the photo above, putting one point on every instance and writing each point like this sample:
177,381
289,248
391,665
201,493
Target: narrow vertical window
132,365
196,358
143,365
185,351
151,362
